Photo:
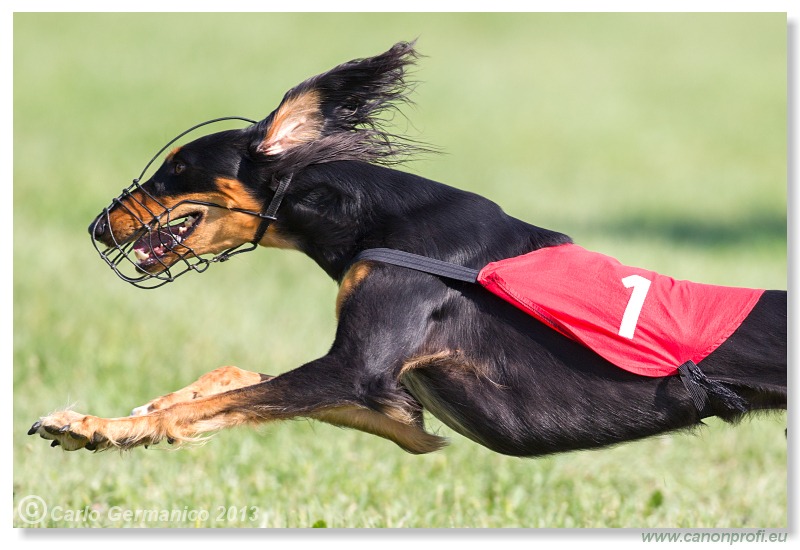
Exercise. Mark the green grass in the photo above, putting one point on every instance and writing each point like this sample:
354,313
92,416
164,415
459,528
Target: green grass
659,139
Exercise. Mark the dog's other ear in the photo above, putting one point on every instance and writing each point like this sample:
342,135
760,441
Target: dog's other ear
337,115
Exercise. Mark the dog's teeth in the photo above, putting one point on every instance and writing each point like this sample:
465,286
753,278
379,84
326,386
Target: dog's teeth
140,254
189,221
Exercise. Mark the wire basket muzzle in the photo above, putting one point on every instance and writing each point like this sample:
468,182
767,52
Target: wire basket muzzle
154,254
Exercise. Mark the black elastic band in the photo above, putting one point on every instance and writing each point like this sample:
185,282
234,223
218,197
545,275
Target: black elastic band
688,373
700,387
418,263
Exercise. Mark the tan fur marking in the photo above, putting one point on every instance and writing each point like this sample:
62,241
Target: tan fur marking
236,194
274,239
426,360
448,359
298,120
219,228
217,381
354,277
409,437
172,153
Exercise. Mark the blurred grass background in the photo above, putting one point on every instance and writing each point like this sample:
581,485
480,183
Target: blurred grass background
656,138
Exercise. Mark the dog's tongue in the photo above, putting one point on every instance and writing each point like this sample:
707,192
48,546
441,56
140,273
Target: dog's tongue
153,246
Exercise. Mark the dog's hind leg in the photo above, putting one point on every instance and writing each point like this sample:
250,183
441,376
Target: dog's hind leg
217,381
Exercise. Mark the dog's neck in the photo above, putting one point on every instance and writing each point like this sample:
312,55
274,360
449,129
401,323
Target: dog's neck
336,210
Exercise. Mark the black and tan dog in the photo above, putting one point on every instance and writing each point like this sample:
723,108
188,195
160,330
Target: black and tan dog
406,340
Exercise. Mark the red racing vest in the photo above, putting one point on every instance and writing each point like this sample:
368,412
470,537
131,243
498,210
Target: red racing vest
643,322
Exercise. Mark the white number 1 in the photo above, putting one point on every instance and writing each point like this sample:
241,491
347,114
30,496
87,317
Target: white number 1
634,308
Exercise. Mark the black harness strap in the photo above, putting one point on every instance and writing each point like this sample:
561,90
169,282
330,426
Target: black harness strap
418,263
697,384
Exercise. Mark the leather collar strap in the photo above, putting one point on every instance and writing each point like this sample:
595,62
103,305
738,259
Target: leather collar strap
271,210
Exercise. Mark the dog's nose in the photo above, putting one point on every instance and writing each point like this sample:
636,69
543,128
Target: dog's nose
99,227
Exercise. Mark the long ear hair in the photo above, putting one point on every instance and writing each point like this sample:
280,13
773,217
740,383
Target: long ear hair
342,114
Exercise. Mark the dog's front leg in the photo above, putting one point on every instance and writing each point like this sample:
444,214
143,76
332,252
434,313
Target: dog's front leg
321,389
217,381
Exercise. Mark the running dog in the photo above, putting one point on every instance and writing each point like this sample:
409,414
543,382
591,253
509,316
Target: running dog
317,175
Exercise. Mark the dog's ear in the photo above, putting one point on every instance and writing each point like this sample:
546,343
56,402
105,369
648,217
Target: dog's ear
298,120
338,115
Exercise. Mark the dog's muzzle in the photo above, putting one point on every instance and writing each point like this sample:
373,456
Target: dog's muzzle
156,253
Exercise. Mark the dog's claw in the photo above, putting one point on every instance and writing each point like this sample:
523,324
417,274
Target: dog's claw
170,440
63,429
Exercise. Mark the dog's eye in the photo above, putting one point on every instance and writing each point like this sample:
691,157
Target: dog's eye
179,168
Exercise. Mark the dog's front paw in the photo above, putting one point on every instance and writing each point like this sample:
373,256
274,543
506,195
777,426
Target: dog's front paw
70,430
73,431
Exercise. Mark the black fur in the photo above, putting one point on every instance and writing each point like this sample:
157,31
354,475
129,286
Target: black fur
408,340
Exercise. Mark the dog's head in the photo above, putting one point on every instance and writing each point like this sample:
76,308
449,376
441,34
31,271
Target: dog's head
209,196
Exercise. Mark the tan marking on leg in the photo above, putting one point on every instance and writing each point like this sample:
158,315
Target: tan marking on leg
426,360
217,381
408,436
354,277
451,359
